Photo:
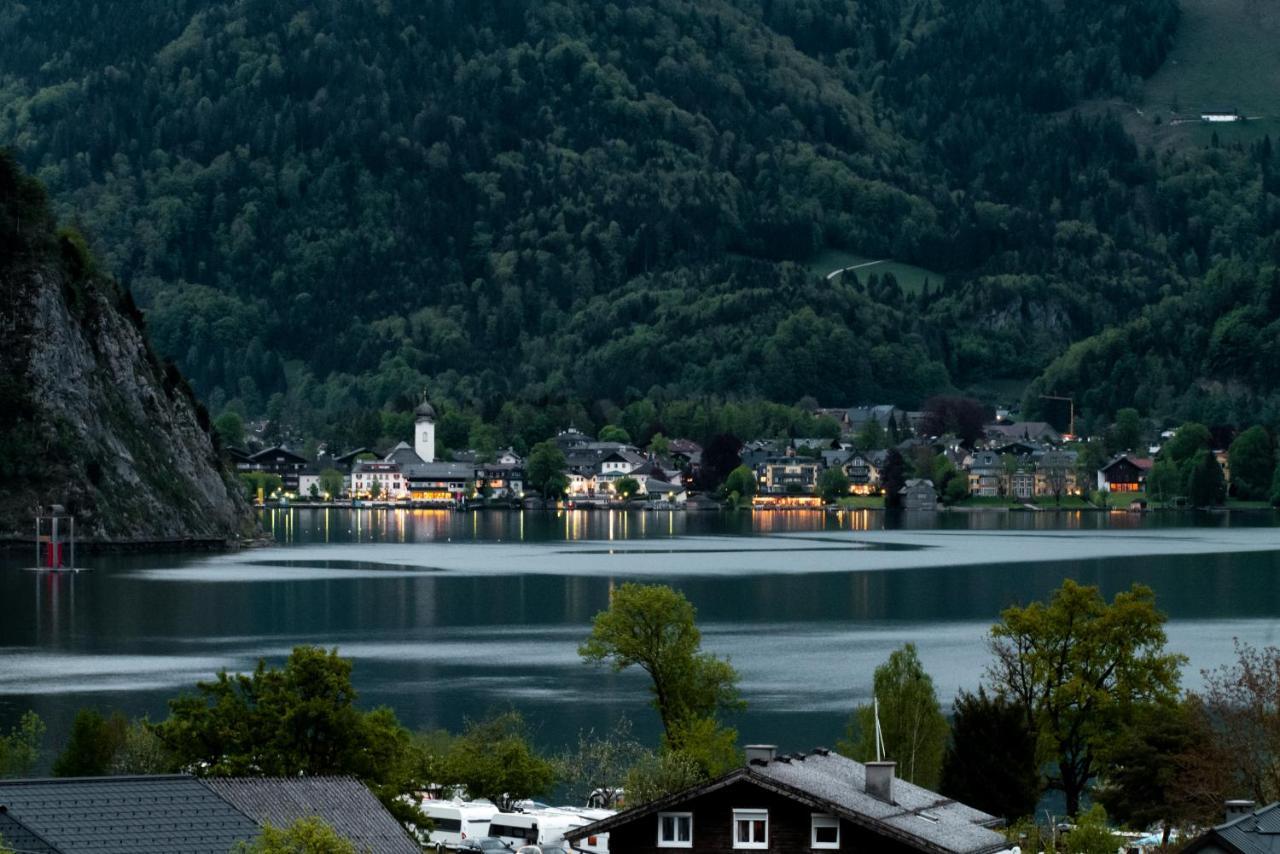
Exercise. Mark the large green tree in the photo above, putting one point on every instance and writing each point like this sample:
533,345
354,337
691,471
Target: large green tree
1146,761
833,484
653,627
1165,482
1252,458
911,720
545,469
741,482
92,745
494,758
1080,667
299,719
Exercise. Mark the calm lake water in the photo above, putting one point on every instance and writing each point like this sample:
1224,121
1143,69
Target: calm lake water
447,615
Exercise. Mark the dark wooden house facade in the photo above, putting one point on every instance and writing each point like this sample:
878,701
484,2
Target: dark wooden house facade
818,801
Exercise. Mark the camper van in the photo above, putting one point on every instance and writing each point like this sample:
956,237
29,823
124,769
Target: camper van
455,821
547,827
536,827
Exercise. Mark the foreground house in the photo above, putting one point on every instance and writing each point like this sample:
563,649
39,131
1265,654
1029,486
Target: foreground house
178,813
1245,831
817,801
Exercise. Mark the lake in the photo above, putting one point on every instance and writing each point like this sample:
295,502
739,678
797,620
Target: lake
448,615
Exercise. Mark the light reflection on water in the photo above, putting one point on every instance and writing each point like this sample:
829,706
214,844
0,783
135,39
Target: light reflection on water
447,614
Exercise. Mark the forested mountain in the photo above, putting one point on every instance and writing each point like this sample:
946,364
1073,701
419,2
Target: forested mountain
324,206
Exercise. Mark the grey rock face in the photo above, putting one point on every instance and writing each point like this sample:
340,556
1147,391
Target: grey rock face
106,430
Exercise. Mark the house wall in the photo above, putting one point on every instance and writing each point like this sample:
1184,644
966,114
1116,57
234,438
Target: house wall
789,826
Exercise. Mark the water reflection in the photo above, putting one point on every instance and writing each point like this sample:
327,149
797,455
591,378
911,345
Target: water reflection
448,613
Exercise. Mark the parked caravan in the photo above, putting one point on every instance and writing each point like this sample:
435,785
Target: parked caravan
453,822
547,827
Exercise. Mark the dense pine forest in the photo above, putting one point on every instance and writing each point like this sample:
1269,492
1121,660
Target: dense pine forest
324,207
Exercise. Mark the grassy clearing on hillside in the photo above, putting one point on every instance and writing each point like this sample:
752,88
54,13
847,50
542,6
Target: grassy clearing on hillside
910,278
1224,56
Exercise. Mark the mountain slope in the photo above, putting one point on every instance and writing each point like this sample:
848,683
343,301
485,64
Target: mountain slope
325,206
88,417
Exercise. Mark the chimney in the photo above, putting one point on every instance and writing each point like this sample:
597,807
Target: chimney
1238,808
880,780
761,754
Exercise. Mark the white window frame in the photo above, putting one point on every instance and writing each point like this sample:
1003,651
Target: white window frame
675,843
751,815
822,819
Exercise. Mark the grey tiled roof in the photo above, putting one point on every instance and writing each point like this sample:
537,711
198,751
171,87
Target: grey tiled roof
939,822
343,802
125,815
1257,832
918,818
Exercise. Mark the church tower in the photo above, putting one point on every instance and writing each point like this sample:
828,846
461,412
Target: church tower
424,431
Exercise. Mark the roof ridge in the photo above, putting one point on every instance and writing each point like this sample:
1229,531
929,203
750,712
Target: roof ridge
112,778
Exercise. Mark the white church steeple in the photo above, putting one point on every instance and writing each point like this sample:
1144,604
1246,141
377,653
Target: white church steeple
424,431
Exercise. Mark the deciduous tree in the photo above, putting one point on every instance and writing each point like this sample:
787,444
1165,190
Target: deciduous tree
92,745
914,729
661,774
741,482
300,719
652,627
833,484
311,835
599,766
20,749
545,469
495,758
614,433
1144,762
1078,667
626,487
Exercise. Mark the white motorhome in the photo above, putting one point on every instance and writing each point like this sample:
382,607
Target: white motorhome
455,821
535,827
547,826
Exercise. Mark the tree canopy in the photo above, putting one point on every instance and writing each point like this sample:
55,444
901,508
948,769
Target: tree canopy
1079,667
915,731
299,719
652,627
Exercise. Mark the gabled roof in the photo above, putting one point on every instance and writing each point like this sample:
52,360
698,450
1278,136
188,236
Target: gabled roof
270,455
624,455
343,802
828,782
1137,462
661,487
1024,430
403,455
123,815
1256,832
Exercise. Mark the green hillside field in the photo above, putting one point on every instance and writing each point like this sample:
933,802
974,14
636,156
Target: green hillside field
1223,56
911,279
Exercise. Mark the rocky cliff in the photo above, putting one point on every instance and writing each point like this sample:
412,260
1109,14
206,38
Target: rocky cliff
89,418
